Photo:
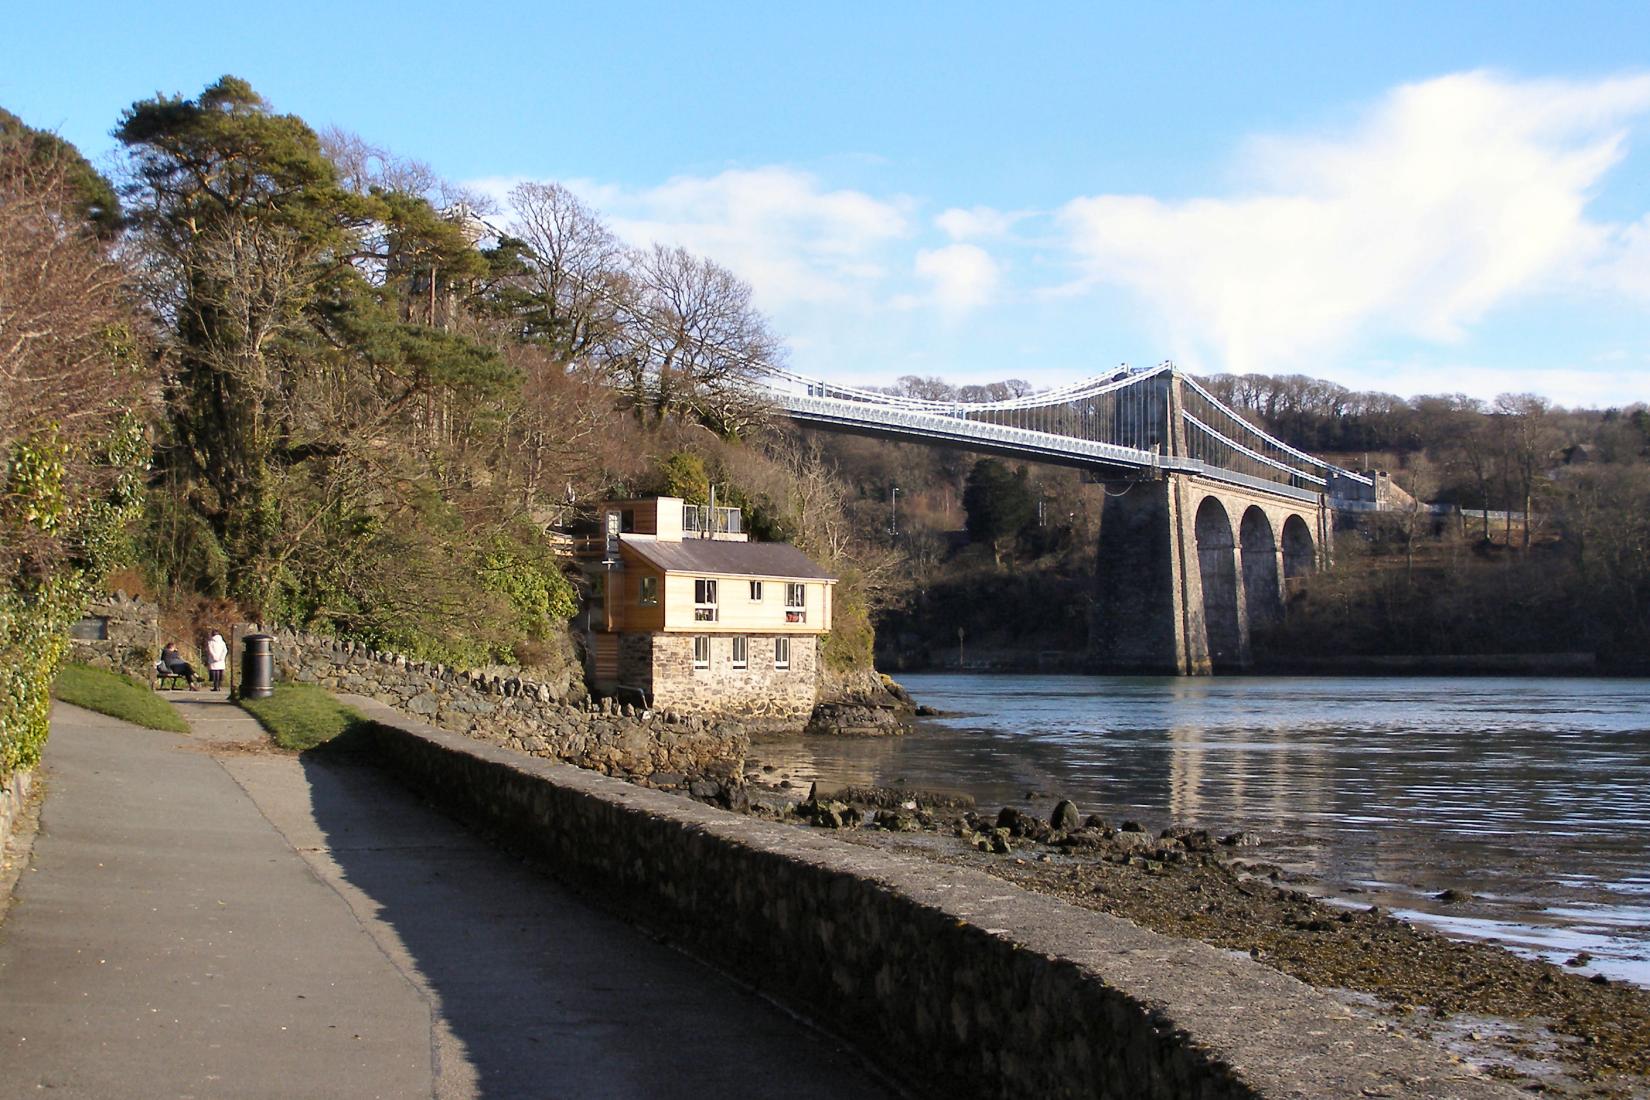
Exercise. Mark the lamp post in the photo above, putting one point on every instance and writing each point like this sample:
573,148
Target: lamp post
893,512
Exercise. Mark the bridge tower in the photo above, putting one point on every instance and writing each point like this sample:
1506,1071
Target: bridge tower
1189,565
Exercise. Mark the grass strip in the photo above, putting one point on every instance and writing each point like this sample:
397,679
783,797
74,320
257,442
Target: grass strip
117,696
302,716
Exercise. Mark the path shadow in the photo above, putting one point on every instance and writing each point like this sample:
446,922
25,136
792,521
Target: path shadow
542,994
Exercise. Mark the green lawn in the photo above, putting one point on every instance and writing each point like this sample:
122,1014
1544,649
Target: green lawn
116,695
302,716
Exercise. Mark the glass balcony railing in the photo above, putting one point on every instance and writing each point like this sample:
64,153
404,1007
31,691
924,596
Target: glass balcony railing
701,519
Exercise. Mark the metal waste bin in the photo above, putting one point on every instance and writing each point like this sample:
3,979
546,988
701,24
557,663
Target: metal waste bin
257,667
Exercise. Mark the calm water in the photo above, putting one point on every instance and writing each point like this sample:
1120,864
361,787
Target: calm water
1533,795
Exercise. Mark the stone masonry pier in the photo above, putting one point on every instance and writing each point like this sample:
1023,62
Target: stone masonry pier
957,983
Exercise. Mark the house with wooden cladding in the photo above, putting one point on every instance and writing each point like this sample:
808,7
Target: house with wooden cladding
688,614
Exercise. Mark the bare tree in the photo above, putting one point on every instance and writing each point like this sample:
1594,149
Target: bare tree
691,342
1529,440
572,274
71,395
63,304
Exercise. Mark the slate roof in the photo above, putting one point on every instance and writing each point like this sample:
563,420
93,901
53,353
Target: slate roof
735,559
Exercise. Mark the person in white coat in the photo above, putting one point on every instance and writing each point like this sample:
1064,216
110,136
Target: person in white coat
217,654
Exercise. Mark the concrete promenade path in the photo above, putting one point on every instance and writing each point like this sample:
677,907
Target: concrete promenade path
207,917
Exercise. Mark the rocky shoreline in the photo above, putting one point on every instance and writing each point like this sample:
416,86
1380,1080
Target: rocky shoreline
863,704
1529,1022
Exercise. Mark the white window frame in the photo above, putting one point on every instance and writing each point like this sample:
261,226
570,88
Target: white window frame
644,583
741,651
756,591
704,600
781,652
796,602
701,651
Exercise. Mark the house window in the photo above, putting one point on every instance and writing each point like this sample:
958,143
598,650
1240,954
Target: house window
796,603
701,651
648,596
704,601
756,591
781,653
741,651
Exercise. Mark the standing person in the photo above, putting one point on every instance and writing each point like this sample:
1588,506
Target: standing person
175,662
217,653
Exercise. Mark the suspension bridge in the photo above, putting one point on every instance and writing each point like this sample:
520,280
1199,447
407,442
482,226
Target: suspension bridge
1207,518
1157,420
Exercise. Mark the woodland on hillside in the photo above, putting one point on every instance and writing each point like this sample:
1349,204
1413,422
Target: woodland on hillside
281,375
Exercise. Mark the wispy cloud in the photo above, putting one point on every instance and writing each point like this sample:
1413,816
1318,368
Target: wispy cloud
1452,197
794,239
961,277
976,222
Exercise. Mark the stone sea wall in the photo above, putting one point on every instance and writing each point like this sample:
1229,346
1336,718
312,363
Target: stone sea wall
955,982
552,718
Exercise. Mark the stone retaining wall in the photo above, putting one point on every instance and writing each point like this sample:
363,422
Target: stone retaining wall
14,792
119,633
956,983
554,720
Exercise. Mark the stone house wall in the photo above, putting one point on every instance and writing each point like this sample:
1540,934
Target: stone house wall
636,663
759,691
554,720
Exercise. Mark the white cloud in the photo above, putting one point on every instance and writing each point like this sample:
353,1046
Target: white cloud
1628,269
780,229
1452,197
976,222
962,277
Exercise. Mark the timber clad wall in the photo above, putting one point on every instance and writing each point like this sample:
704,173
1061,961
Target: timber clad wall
625,611
737,613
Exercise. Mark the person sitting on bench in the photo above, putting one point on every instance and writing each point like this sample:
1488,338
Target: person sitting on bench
176,665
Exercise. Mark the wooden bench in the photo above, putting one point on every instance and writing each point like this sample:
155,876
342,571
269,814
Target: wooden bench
164,674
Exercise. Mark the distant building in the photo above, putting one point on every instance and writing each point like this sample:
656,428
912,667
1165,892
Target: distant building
689,615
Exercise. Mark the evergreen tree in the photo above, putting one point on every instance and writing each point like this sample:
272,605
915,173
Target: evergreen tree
999,504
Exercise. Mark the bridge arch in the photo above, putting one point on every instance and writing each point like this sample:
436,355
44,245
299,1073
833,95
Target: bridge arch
1262,585
1217,568
1300,554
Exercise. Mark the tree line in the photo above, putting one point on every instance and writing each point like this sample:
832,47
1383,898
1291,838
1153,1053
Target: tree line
367,393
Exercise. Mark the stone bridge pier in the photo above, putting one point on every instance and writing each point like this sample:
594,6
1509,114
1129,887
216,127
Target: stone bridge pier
1190,565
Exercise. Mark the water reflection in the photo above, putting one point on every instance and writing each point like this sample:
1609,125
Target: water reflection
1529,794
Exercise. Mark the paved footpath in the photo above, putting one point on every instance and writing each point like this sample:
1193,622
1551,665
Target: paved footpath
205,917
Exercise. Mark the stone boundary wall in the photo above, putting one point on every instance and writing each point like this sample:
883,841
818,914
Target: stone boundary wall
552,720
958,984
131,643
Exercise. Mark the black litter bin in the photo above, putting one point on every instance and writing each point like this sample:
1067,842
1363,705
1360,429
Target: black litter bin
257,667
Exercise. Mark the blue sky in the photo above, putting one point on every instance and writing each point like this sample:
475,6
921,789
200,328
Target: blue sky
1413,198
